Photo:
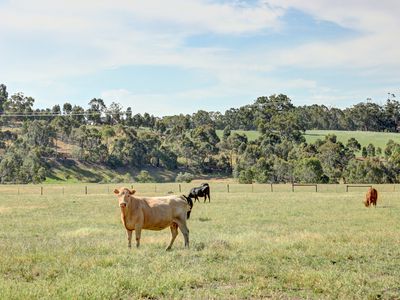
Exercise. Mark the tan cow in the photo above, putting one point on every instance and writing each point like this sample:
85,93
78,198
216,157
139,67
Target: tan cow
371,197
154,213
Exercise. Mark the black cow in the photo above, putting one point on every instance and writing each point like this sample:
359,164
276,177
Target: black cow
202,191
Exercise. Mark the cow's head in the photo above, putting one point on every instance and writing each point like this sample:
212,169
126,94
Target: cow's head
123,196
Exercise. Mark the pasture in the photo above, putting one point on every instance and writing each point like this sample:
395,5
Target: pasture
249,243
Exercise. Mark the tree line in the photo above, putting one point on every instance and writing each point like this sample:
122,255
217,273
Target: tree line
189,143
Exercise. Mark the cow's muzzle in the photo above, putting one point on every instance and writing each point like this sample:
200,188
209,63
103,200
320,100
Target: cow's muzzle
122,205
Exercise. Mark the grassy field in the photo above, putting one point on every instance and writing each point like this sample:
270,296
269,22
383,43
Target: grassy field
244,245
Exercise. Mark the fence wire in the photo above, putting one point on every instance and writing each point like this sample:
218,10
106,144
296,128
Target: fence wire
184,188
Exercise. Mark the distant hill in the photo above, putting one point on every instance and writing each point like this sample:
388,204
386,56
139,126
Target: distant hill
74,171
378,139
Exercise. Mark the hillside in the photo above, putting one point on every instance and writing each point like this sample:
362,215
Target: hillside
378,139
73,171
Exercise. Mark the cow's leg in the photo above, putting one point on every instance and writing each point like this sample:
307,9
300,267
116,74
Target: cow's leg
138,230
129,235
196,198
174,233
185,231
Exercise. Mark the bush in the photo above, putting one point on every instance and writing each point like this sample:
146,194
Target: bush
184,177
127,177
144,177
246,176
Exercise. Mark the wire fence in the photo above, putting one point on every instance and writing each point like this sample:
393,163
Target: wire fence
184,188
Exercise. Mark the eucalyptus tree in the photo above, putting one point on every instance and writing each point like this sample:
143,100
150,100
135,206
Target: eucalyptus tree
3,97
95,111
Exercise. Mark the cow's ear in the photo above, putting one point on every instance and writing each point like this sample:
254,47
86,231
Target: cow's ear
131,192
116,192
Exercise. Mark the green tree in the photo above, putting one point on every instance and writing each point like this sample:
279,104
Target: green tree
353,144
246,176
97,107
334,157
114,113
262,170
308,170
370,170
226,133
367,116
108,132
282,171
78,115
392,115
67,108
371,150
202,118
364,152
3,97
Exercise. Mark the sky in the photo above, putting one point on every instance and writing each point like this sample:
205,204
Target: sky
180,56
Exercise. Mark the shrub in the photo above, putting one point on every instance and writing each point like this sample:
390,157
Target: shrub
246,176
144,176
184,177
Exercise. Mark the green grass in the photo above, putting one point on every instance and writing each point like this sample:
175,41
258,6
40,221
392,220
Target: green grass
251,134
243,245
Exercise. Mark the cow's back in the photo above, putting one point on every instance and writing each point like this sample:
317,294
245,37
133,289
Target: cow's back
160,212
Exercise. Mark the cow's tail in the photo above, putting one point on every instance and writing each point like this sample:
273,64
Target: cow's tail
190,202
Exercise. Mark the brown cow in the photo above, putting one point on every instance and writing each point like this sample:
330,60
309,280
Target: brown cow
154,213
371,197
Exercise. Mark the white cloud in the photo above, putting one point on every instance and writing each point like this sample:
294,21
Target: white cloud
81,38
190,15
376,44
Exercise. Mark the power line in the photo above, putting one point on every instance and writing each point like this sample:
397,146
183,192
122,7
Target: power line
49,114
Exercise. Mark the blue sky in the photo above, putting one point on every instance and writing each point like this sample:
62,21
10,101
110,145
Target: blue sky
179,56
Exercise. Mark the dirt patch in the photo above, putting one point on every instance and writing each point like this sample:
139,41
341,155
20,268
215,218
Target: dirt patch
4,209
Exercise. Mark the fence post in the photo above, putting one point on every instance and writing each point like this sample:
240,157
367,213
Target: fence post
227,186
41,190
316,188
271,188
180,190
85,189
